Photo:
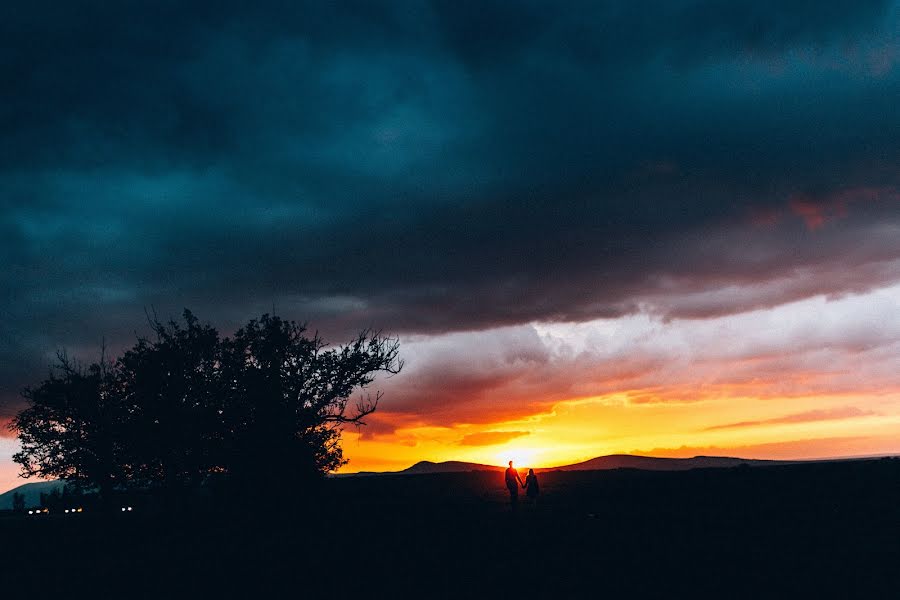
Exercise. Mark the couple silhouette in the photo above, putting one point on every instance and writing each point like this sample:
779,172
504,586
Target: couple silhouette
513,481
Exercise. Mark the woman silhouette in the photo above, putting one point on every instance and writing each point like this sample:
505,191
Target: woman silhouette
532,489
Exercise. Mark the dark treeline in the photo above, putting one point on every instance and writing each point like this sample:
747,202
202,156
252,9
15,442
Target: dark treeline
186,407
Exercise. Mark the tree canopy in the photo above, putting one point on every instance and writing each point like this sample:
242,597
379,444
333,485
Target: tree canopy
186,404
72,427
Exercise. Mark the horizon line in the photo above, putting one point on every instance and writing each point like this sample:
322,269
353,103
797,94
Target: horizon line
894,454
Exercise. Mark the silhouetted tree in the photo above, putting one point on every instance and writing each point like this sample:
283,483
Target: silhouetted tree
270,402
70,428
71,497
287,396
18,502
51,499
170,387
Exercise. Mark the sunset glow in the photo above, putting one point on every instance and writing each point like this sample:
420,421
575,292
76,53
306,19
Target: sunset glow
766,384
594,227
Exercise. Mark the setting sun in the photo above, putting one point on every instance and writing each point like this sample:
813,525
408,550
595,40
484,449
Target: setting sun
522,458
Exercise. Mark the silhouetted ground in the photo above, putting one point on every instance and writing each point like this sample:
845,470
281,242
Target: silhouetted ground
815,530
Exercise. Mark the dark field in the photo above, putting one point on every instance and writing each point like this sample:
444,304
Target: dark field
814,530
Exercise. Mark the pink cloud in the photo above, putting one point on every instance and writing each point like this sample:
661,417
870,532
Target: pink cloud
817,210
847,412
833,447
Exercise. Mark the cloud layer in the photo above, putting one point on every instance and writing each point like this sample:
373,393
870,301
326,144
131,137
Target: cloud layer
812,348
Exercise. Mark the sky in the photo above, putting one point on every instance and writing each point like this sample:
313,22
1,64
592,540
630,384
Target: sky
596,227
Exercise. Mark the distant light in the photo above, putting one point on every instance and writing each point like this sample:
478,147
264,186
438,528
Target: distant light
129,508
30,512
67,511
123,509
80,509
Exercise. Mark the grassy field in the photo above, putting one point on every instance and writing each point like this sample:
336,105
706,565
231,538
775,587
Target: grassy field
814,530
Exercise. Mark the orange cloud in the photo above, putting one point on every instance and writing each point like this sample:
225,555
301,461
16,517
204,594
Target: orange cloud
490,438
803,417
805,449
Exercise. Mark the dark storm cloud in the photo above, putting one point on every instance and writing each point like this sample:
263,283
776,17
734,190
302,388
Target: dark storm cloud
434,167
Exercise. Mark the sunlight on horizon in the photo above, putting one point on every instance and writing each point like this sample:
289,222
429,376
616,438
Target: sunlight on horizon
566,438
791,381
784,386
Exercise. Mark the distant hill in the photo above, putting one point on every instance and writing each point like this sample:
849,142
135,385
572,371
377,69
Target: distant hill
613,461
32,493
451,466
425,467
653,463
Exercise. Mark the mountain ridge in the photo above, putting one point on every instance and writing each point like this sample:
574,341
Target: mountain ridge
599,463
32,492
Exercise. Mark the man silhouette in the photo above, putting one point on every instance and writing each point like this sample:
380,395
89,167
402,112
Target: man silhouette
513,481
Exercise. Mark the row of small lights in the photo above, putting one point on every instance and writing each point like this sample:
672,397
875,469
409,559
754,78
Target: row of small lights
70,510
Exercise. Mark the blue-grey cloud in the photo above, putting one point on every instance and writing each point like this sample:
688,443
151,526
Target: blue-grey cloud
437,166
